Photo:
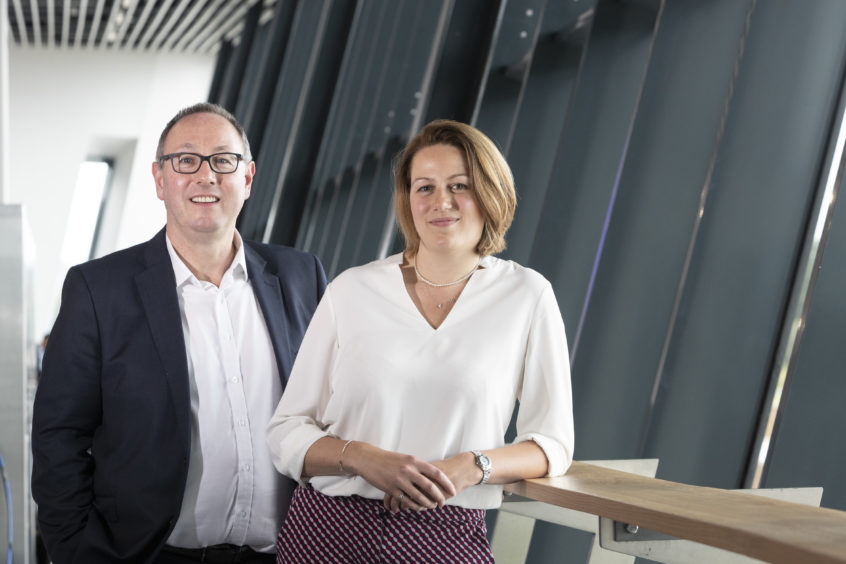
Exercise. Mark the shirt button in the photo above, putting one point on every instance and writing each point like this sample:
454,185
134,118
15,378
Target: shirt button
246,467
234,380
242,422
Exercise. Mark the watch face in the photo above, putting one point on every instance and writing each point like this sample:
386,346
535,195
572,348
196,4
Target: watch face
486,462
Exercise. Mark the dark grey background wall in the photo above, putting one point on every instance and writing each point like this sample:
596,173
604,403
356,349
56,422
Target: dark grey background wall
673,161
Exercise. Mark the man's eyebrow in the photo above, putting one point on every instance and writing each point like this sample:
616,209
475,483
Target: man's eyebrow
217,149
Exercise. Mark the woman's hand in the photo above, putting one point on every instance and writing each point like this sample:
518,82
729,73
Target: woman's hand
461,469
408,482
462,472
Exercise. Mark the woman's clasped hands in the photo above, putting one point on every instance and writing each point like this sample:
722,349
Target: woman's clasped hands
408,482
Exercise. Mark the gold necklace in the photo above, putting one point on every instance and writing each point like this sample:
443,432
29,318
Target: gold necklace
436,285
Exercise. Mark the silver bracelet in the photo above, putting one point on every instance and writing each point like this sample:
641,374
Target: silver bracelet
340,456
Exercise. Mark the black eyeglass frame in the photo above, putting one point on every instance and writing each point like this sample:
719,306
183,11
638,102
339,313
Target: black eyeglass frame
202,158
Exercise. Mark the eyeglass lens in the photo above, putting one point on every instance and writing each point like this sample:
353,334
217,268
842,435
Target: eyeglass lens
188,163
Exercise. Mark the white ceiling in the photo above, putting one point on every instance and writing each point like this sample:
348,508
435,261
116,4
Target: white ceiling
191,26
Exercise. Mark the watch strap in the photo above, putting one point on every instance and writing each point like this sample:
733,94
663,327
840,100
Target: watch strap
484,464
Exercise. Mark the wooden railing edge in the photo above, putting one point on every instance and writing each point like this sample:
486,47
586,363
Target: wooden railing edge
767,529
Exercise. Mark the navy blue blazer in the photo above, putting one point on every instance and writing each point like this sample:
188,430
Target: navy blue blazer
111,423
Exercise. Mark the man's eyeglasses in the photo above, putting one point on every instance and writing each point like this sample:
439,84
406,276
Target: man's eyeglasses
189,163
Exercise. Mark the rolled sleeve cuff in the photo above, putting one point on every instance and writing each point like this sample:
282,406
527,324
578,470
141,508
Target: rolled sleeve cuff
290,457
557,457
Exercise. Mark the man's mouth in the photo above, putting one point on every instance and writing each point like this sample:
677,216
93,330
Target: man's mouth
205,199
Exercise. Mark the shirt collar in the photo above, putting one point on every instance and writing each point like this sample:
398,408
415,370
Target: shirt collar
237,270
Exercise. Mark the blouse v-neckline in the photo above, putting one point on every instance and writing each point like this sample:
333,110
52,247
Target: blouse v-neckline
417,311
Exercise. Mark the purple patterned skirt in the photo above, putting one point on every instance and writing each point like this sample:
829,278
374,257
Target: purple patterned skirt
321,528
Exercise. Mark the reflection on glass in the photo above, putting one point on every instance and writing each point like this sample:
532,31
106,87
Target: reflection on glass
91,182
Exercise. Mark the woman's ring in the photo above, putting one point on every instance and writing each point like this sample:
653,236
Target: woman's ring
402,495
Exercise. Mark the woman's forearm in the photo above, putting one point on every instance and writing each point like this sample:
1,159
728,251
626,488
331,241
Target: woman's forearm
508,464
422,483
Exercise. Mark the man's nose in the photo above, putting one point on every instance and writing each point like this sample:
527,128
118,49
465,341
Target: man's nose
205,172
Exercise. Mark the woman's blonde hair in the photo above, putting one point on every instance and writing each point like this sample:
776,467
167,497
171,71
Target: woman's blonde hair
490,179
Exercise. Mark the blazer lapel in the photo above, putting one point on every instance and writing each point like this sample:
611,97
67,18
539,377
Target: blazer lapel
271,299
157,288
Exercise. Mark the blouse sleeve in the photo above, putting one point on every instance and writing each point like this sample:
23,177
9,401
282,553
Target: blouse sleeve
545,415
297,422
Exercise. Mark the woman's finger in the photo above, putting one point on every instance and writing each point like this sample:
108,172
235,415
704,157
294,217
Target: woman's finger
440,479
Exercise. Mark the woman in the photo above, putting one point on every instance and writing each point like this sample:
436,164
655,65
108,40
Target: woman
394,417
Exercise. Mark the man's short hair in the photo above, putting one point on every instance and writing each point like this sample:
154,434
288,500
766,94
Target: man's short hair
490,177
204,108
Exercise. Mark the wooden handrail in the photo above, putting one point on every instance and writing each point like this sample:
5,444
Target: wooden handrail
763,528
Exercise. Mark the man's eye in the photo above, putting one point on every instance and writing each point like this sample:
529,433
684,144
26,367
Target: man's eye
187,159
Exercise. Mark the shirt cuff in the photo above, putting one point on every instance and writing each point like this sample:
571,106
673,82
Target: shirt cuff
558,460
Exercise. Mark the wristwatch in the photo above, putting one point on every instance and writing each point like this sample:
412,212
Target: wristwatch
484,463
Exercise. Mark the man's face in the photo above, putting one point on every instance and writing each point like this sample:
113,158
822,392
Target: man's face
204,205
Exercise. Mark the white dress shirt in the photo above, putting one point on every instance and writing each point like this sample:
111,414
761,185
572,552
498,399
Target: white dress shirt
371,368
232,491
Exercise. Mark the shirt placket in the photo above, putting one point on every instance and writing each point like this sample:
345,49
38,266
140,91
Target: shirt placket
240,419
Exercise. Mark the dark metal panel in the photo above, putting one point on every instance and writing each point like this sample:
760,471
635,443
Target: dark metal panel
249,87
577,191
365,33
744,260
224,59
297,117
392,91
570,231
543,111
370,186
350,120
644,249
590,154
377,205
304,151
807,446
263,73
329,163
234,77
517,32
359,206
462,64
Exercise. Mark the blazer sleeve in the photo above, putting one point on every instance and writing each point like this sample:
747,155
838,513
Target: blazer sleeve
545,415
66,412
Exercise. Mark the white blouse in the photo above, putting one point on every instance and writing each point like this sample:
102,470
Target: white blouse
372,369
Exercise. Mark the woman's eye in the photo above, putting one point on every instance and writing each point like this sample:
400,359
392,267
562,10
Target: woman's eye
425,188
459,187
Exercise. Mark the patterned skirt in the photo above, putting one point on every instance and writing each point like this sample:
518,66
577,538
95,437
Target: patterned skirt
354,529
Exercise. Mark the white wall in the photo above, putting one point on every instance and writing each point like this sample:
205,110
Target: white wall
67,105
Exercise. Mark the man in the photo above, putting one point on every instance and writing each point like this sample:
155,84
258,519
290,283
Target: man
163,368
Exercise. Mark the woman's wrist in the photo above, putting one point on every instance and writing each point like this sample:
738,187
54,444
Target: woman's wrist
345,470
355,456
471,474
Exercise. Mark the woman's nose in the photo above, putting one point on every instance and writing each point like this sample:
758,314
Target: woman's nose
444,198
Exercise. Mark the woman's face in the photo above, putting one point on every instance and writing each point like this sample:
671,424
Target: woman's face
443,203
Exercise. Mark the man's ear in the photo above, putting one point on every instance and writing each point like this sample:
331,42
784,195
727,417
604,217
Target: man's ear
158,177
249,174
